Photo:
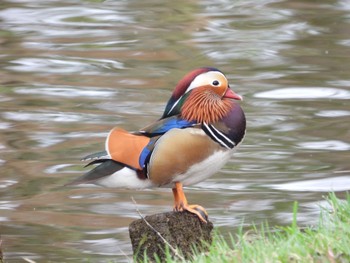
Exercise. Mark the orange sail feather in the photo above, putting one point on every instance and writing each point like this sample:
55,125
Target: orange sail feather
125,147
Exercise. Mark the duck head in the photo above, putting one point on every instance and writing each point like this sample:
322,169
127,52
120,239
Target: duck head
203,95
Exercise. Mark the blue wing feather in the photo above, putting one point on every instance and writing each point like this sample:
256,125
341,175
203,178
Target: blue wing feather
163,125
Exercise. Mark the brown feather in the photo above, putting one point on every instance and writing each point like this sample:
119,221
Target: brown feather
176,152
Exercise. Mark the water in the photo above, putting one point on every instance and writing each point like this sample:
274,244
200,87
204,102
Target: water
72,70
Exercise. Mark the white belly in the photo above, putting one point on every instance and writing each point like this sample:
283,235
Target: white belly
124,178
204,169
127,178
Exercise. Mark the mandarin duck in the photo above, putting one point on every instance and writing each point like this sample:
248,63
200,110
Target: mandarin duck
194,138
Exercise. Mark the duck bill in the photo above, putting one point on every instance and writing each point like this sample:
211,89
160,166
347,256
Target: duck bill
231,95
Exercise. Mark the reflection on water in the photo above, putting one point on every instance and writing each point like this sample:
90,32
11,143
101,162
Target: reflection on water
68,92
305,93
329,145
334,184
64,66
71,70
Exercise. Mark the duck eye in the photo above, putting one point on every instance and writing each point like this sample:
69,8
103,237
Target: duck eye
216,83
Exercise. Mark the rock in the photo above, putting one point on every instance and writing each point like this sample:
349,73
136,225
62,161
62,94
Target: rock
181,230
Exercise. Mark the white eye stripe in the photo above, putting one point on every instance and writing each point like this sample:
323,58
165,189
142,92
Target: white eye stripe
203,78
207,78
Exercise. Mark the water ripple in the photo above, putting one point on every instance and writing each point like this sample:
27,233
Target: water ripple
333,145
46,116
70,20
336,184
333,113
120,230
61,65
3,219
305,93
252,205
92,196
7,183
125,209
8,205
60,168
66,91
236,37
48,139
5,126
106,246
105,45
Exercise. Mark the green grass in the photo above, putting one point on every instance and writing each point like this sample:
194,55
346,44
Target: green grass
329,241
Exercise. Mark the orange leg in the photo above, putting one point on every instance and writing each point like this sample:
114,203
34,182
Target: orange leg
182,205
